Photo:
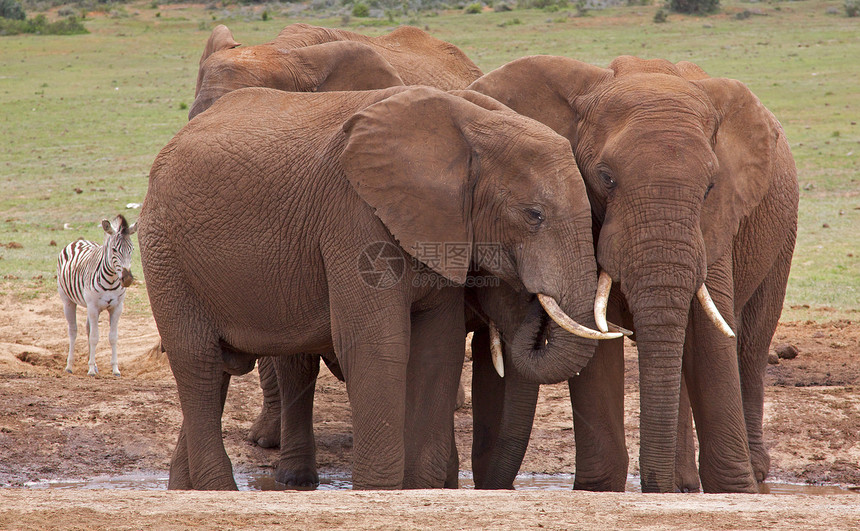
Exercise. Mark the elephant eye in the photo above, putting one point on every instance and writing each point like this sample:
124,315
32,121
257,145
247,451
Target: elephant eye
607,179
708,190
535,216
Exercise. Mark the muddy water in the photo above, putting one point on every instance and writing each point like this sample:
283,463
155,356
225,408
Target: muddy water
262,480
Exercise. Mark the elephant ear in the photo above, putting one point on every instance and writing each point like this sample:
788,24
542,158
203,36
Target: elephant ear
409,158
342,65
481,100
542,87
221,38
745,144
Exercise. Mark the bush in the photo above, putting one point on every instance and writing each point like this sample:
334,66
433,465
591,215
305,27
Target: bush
852,8
473,9
694,7
360,10
12,10
542,4
660,16
40,25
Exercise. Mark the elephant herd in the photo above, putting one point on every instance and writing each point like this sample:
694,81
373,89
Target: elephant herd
370,201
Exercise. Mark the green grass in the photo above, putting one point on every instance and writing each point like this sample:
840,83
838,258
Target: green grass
90,112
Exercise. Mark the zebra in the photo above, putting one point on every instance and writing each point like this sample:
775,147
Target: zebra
95,276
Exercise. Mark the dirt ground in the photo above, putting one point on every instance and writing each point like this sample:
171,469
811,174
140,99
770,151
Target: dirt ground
56,426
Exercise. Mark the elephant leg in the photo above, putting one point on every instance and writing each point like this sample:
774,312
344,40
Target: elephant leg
373,353
435,364
452,479
488,394
202,385
686,472
759,319
503,411
297,377
711,371
597,398
180,475
266,430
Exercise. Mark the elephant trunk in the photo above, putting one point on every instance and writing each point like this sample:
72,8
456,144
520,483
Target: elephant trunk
660,354
544,352
660,304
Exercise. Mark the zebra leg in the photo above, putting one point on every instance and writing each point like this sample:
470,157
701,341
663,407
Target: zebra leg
114,313
70,311
93,335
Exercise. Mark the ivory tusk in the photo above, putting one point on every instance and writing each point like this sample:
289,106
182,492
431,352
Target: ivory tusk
712,312
496,350
604,284
616,328
563,320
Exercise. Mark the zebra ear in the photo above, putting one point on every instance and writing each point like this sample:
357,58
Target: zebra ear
107,226
132,229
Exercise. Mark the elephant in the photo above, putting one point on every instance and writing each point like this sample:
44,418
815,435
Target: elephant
693,190
305,58
279,224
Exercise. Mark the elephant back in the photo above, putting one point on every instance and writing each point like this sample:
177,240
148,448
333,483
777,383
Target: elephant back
418,57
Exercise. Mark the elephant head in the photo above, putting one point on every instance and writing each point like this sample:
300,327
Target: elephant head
673,162
523,219
330,66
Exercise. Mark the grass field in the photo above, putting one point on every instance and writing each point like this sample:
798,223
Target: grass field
82,117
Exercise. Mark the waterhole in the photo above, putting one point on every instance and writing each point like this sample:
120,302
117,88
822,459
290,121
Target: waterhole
263,481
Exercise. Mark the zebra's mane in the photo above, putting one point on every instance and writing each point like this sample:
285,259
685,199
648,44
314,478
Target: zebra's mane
120,225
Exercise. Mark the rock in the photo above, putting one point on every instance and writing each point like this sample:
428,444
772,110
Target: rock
786,352
772,359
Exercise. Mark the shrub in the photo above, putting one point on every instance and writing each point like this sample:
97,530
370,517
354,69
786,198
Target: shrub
40,25
852,8
542,4
694,7
660,16
473,9
360,10
12,10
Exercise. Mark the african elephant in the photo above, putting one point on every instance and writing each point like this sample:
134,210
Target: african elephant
304,58
311,239
691,183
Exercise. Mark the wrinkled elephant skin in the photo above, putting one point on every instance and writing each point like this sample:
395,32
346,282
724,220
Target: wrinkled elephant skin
691,183
279,224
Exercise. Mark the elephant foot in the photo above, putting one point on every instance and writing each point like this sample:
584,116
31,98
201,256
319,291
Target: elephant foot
302,478
760,459
608,477
601,485
266,430
689,485
687,478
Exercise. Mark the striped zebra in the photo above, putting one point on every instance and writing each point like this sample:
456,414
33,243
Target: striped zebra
95,277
